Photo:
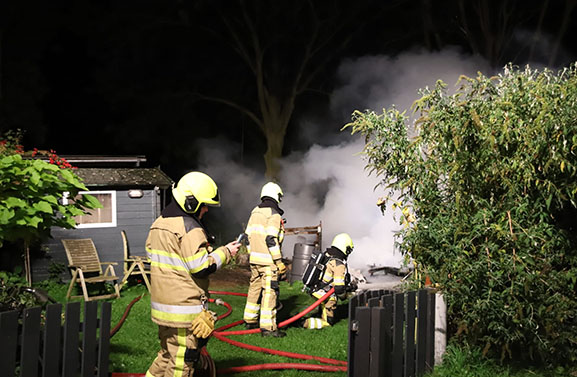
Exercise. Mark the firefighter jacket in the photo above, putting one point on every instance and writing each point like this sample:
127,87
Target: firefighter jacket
181,259
264,231
335,272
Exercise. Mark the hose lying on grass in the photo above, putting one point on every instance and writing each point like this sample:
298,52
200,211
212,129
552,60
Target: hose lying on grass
220,334
126,312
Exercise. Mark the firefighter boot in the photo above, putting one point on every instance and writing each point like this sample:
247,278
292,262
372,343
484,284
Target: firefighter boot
250,325
276,333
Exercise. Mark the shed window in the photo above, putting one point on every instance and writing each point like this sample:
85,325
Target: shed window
99,217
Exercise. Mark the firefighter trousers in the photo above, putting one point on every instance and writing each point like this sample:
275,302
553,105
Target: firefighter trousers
174,357
327,312
261,298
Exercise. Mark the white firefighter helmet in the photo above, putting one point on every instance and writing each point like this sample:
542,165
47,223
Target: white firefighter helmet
272,190
193,190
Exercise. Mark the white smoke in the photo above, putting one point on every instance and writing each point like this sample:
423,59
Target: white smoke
349,205
378,82
344,201
329,184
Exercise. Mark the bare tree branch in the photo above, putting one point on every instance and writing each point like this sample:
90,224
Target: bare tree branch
238,45
234,105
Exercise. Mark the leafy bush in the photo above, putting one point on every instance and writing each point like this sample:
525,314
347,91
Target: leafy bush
30,193
488,175
13,295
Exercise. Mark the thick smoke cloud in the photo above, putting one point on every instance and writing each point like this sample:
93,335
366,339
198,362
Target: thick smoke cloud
378,82
329,184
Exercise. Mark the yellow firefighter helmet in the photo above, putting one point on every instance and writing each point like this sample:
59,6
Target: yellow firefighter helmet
193,190
272,190
344,243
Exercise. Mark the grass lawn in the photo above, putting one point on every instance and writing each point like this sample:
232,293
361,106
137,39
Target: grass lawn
135,345
463,362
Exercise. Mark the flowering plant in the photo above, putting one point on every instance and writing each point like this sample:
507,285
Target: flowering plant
31,189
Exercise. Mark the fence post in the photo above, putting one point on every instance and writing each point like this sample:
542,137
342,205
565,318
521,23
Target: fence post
89,339
410,316
30,342
362,342
104,341
387,302
430,353
70,348
421,330
353,303
440,327
8,342
52,345
398,316
378,342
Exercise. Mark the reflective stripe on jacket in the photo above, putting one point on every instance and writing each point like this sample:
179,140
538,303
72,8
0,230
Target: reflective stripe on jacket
263,230
178,249
335,272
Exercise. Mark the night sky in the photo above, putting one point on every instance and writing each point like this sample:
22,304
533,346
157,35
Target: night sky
126,77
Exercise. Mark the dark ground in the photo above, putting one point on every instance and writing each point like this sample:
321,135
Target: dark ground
230,277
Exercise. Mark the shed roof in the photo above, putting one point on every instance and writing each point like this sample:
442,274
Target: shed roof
124,177
105,160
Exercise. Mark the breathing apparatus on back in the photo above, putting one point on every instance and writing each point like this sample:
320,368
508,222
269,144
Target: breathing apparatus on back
314,271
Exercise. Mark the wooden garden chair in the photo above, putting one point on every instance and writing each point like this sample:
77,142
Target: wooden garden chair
134,264
87,269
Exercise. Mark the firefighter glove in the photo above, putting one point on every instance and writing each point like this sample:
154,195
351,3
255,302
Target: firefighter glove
203,324
281,269
353,286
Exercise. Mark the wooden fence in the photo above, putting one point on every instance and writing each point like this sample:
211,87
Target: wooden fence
36,343
391,334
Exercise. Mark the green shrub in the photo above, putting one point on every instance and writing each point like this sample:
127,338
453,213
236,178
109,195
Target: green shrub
31,191
488,176
13,295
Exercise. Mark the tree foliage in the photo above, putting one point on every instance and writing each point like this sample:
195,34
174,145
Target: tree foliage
30,193
489,174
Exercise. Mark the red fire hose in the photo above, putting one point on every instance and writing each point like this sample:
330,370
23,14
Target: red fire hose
126,312
337,365
311,367
219,333
282,324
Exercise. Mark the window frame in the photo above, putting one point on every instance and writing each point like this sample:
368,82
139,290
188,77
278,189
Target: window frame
113,204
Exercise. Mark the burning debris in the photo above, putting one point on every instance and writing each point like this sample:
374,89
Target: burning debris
357,275
397,271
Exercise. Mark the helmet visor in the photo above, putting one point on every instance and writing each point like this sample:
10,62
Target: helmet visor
215,201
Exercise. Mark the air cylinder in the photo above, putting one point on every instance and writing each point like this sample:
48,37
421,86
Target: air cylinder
301,256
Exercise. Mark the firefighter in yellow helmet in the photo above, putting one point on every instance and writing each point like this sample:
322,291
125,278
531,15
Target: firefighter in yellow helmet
265,233
335,275
182,258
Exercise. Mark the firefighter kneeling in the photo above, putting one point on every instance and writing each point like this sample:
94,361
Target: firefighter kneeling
335,275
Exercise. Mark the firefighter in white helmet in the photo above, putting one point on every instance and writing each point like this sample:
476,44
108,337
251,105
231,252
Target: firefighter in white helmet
335,275
265,232
182,258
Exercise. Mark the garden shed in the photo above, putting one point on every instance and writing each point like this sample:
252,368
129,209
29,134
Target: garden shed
132,196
